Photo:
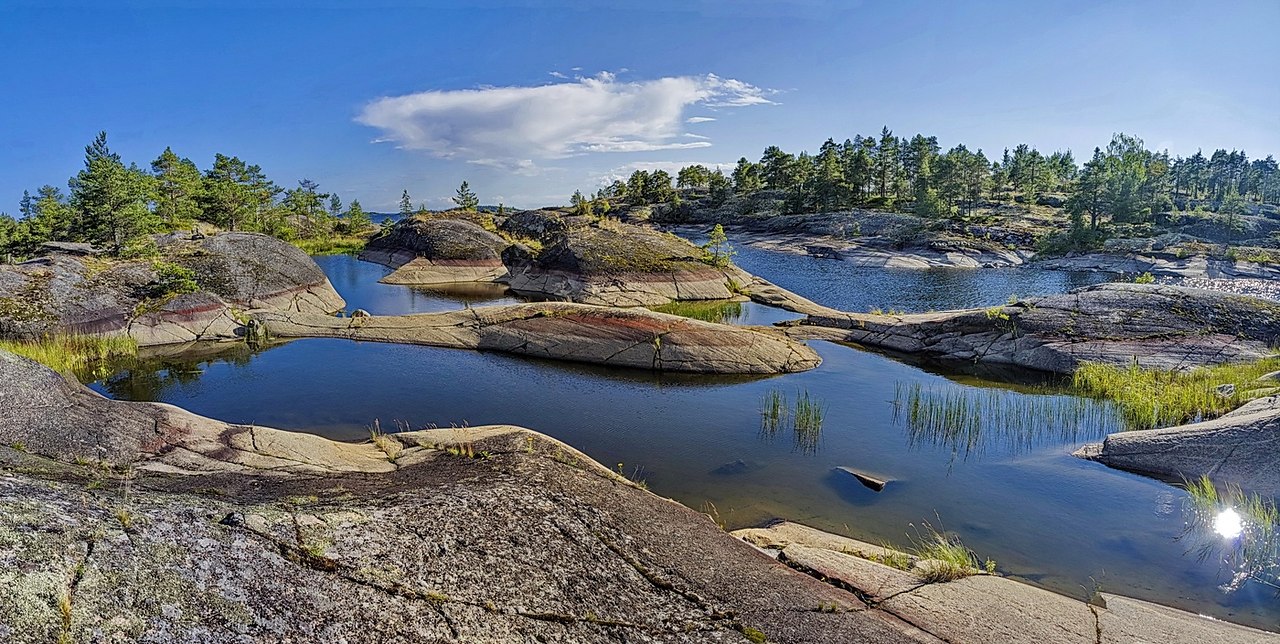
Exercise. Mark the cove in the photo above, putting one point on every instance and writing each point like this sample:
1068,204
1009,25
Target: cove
1015,496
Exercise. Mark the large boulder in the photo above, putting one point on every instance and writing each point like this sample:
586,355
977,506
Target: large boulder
64,293
1241,448
617,264
431,250
637,338
542,225
1156,326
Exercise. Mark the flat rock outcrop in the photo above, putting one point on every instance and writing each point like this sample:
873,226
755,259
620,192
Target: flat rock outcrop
65,293
636,338
982,607
1157,326
432,250
617,264
1241,448
487,534
1163,265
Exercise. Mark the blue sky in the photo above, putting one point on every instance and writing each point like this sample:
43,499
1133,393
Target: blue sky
531,100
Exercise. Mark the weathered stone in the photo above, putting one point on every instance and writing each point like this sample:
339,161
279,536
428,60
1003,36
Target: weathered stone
872,581
437,251
1241,448
621,265
562,331
235,271
1153,325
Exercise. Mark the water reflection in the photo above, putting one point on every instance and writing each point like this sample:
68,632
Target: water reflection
804,419
1239,530
968,420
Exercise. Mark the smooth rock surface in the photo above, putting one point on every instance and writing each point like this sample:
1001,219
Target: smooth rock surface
636,338
437,251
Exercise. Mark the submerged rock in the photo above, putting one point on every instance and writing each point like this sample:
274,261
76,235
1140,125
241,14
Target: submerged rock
232,272
437,251
872,482
636,338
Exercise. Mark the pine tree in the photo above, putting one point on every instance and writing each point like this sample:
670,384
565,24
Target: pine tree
357,219
110,200
466,199
178,188
406,205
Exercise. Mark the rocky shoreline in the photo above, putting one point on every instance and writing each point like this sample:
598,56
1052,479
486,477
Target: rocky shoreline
183,528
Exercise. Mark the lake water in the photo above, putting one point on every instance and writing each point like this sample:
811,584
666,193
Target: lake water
1006,485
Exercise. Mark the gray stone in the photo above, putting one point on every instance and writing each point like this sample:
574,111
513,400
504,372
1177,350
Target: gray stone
437,250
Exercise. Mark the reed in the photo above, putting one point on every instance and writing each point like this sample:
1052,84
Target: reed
773,413
1241,530
73,353
1150,398
967,420
718,311
943,557
809,413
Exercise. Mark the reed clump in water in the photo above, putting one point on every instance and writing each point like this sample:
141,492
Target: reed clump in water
73,353
967,419
804,419
1242,530
720,312
1150,398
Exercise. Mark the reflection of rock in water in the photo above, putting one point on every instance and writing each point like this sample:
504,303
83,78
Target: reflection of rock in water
969,420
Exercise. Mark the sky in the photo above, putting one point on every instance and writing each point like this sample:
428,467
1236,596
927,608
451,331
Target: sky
530,100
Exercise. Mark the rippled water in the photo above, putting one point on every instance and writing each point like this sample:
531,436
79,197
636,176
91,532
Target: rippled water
1009,489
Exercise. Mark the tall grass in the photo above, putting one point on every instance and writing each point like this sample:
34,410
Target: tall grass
1252,553
336,245
1150,398
804,420
71,353
967,419
943,557
718,311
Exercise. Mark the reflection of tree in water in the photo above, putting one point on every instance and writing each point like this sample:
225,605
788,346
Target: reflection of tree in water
969,420
156,371
1240,530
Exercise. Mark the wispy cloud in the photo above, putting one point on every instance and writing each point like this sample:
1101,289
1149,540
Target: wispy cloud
514,127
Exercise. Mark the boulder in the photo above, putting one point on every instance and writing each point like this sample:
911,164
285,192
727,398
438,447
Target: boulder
542,225
63,293
616,264
430,250
637,338
1157,326
1241,448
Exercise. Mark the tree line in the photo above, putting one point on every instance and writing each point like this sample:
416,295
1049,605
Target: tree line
116,206
1123,181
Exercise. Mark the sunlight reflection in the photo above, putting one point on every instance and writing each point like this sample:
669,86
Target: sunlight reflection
1228,524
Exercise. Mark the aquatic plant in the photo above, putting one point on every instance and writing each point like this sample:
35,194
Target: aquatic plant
967,419
805,418
1150,398
1242,530
74,353
808,416
773,412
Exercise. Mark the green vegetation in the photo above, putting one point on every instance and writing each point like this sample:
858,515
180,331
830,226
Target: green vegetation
1150,398
466,199
1241,530
1145,278
754,635
965,419
76,354
717,251
172,280
718,311
116,206
944,558
336,245
804,419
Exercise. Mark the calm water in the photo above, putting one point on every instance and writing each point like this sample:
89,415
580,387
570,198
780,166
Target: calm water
1009,489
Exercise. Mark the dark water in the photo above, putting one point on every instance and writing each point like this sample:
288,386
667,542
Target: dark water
1007,487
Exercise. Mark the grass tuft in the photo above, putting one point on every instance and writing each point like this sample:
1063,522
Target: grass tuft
943,558
337,245
71,353
1150,398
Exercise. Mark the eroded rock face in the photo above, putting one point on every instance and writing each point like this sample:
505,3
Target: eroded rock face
438,251
636,338
621,265
235,271
542,225
1157,326
488,534
1241,448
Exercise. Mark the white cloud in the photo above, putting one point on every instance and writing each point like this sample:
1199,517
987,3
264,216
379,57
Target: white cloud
698,119
557,74
513,127
691,135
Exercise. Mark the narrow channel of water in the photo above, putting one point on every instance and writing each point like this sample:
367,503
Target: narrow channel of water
1009,488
